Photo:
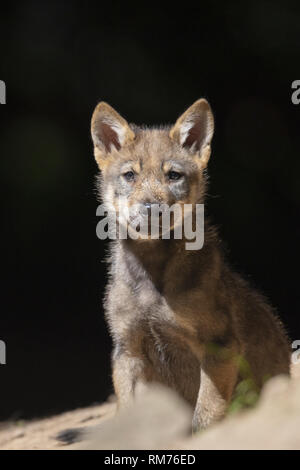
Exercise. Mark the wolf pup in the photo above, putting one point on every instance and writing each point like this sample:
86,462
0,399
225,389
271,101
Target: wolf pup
179,317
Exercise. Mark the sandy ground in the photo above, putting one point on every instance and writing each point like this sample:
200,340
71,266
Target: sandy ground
40,434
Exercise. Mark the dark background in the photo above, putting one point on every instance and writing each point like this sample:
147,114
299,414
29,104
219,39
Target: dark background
150,62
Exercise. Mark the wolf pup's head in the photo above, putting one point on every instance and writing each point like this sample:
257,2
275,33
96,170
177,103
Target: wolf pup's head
143,167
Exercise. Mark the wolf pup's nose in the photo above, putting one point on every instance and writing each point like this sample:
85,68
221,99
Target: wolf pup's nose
148,205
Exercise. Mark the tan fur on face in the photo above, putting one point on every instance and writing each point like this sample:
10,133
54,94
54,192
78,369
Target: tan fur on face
151,155
199,112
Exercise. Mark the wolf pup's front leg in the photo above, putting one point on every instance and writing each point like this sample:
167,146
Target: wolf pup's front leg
127,375
218,380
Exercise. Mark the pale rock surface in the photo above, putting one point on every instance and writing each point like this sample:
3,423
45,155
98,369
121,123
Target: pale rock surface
159,419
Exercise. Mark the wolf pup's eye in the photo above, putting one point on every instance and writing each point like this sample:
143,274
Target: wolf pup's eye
174,175
129,175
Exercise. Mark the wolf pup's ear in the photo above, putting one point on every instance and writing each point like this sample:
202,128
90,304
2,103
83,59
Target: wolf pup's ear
194,130
109,131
